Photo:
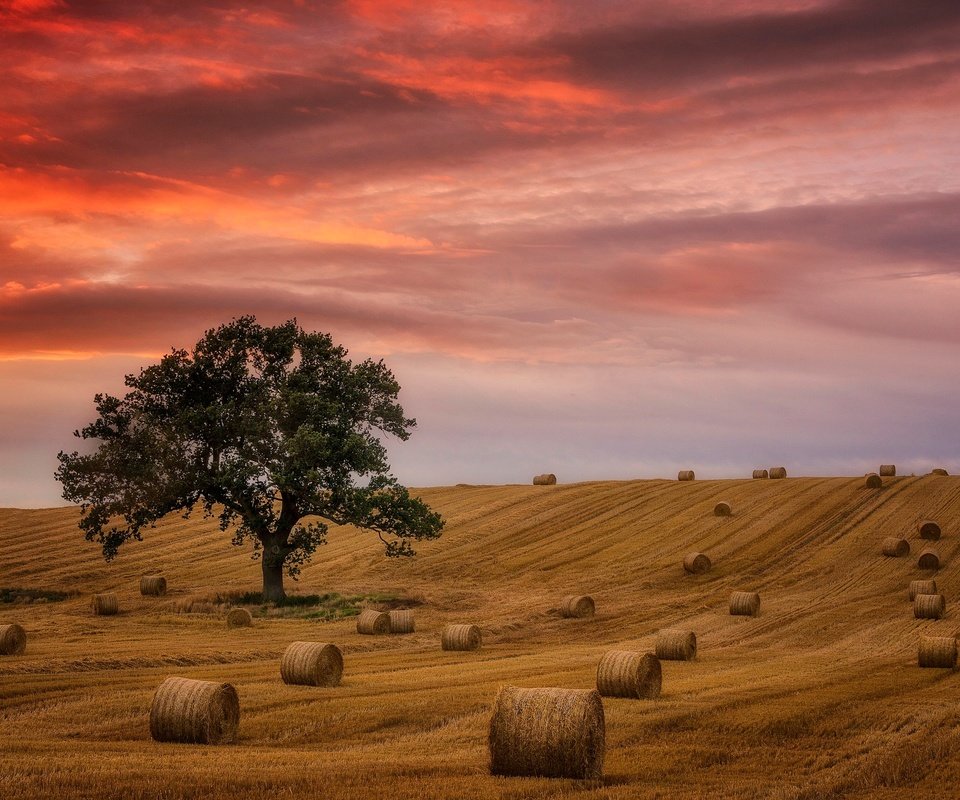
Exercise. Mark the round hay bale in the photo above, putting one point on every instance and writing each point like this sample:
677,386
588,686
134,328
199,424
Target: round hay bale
577,606
929,559
921,587
372,622
929,606
627,673
195,712
676,645
547,479
873,481
153,585
722,509
239,618
697,563
937,651
401,620
686,475
461,637
778,472
13,640
940,471
105,605
888,470
745,604
312,664
895,547
928,529
551,733
761,474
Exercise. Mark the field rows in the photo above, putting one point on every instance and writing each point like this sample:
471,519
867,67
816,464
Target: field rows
819,696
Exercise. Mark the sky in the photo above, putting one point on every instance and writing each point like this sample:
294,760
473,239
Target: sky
607,240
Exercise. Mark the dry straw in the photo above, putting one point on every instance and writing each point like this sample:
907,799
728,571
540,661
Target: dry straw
401,620
929,606
940,471
239,618
627,673
745,604
722,509
937,651
778,472
312,664
461,637
13,640
195,712
577,606
105,605
888,470
553,733
697,563
895,547
921,587
929,559
676,645
153,585
928,529
761,474
873,481
686,475
373,623
547,479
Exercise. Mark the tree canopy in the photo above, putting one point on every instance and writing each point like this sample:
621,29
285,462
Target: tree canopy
272,429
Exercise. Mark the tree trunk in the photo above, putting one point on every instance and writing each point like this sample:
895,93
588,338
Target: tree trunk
272,577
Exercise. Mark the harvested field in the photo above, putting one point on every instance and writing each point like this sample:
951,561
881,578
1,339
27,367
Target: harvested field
821,692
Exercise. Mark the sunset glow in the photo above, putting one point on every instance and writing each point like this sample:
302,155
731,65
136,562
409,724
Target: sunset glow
602,240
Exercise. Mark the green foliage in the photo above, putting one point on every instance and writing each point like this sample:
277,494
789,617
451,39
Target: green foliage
272,430
32,595
329,606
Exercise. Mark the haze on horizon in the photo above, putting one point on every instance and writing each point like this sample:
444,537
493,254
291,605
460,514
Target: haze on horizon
606,242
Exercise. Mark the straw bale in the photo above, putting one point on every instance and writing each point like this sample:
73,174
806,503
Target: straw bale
312,664
676,645
895,547
461,637
552,733
921,587
13,640
153,585
578,606
745,604
929,559
928,529
195,712
401,620
697,563
627,673
929,606
372,622
105,605
239,618
937,651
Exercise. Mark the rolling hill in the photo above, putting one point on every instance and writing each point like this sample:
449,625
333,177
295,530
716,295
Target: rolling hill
818,696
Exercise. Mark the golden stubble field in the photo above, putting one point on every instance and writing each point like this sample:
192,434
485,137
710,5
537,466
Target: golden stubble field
819,696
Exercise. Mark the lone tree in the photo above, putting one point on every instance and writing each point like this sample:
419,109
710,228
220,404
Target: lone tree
271,429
